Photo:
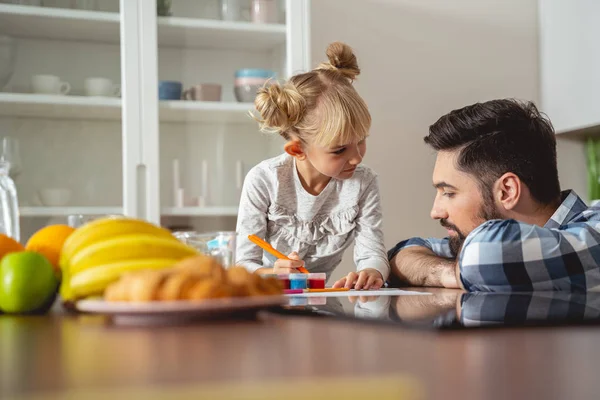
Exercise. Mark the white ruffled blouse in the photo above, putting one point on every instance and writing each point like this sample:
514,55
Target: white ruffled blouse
276,207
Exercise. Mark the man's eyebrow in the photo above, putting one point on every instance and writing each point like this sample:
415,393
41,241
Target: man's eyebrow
444,185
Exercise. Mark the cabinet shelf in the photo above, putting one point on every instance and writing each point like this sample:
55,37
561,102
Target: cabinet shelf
166,211
205,111
103,27
201,33
200,211
59,107
60,24
64,211
105,108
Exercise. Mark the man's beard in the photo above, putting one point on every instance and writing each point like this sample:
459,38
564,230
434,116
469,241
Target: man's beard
487,212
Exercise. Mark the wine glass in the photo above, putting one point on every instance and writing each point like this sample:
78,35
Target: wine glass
9,152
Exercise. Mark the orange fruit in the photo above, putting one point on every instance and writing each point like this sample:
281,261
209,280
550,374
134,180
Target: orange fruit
49,241
9,245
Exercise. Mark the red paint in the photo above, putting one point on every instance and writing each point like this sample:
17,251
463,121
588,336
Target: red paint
316,283
286,282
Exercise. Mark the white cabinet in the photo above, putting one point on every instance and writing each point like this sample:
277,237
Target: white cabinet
115,154
570,64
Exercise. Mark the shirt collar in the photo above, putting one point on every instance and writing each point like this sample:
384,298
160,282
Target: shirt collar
571,206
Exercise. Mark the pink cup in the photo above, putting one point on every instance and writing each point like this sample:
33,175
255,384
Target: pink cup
203,92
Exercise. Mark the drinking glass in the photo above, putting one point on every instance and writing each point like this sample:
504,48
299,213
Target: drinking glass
220,245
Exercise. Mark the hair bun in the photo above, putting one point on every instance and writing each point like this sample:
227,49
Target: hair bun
342,58
280,106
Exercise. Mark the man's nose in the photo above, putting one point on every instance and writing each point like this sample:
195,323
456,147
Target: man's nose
438,212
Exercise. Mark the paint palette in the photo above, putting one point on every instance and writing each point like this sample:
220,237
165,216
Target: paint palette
302,281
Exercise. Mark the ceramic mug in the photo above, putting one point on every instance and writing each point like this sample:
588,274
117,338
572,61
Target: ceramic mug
203,92
49,84
169,90
101,87
231,10
264,11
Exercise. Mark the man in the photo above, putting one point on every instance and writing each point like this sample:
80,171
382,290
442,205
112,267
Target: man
509,226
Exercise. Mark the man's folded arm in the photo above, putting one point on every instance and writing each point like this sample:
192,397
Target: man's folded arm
423,262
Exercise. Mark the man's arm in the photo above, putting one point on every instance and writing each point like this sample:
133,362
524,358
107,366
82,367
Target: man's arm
420,266
440,302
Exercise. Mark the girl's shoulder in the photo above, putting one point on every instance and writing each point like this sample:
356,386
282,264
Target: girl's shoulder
273,164
270,169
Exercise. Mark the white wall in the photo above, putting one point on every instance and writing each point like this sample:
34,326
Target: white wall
570,59
420,59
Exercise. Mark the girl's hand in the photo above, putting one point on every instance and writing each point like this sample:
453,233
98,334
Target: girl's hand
366,279
288,266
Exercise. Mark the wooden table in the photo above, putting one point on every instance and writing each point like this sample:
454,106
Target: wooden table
59,354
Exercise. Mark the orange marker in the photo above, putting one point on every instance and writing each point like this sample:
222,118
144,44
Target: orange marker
268,248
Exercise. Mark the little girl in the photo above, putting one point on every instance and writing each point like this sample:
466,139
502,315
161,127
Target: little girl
316,198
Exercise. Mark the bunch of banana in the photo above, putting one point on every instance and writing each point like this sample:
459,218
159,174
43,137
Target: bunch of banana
99,252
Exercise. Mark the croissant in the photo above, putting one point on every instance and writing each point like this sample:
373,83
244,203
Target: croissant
195,278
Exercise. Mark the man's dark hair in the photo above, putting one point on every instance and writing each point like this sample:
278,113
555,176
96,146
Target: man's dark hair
501,136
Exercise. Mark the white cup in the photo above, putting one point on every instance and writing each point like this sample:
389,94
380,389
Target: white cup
101,87
54,197
49,84
231,10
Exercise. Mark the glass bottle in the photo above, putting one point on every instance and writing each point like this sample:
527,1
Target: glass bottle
9,204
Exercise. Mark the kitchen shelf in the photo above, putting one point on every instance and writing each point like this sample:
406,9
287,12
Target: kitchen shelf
58,106
105,108
205,111
64,211
200,211
194,33
58,23
166,211
103,27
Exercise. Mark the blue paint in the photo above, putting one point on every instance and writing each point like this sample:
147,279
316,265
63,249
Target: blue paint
298,301
298,281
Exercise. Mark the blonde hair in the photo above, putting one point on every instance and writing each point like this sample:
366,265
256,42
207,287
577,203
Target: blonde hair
321,105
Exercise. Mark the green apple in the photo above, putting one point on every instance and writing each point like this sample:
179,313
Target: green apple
27,282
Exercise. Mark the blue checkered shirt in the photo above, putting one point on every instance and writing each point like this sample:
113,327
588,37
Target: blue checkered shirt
511,256
533,308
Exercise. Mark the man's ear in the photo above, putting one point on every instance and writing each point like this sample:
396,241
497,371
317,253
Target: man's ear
294,149
507,190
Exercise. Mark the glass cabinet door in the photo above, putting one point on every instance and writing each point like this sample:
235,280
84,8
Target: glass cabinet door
60,108
211,58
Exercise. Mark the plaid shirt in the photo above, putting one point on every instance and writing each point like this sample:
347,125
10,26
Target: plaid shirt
512,256
481,309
